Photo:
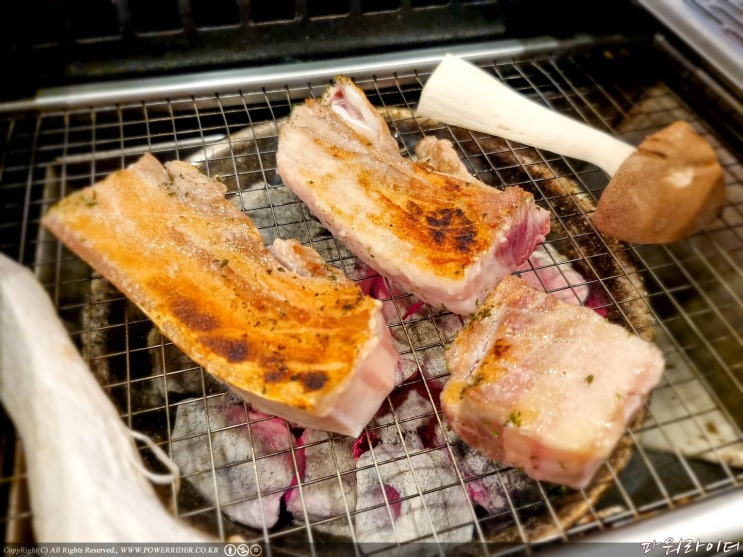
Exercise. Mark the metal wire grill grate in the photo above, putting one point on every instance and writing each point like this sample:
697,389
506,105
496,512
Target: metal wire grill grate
408,478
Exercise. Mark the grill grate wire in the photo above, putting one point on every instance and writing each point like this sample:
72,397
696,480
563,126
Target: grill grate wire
691,292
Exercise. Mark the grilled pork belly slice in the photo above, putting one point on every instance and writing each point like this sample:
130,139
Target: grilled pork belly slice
429,225
544,385
303,343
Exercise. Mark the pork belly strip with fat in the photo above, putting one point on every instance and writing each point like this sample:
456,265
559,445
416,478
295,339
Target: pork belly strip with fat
303,343
430,226
544,385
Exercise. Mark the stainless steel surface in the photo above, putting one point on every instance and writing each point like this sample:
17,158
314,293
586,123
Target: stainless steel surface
279,75
713,28
689,295
706,521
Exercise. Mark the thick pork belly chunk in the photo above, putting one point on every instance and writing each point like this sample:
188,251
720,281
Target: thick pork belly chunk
426,224
293,336
544,385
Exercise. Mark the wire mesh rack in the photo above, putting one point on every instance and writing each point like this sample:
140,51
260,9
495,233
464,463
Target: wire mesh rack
408,479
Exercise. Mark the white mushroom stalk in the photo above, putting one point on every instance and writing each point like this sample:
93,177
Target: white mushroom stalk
668,187
461,94
86,480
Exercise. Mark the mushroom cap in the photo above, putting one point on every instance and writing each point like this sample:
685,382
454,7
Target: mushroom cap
670,187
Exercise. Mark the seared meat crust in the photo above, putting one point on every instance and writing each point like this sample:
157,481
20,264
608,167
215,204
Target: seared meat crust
428,225
300,342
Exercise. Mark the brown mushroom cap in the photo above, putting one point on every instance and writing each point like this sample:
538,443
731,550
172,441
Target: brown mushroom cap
669,188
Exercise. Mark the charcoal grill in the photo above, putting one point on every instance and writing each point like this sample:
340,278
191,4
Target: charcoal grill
216,96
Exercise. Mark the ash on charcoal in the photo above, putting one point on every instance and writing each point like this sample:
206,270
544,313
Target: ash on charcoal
238,459
402,498
495,489
411,422
327,479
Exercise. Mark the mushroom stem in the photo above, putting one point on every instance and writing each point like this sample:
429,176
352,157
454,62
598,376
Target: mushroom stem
461,94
